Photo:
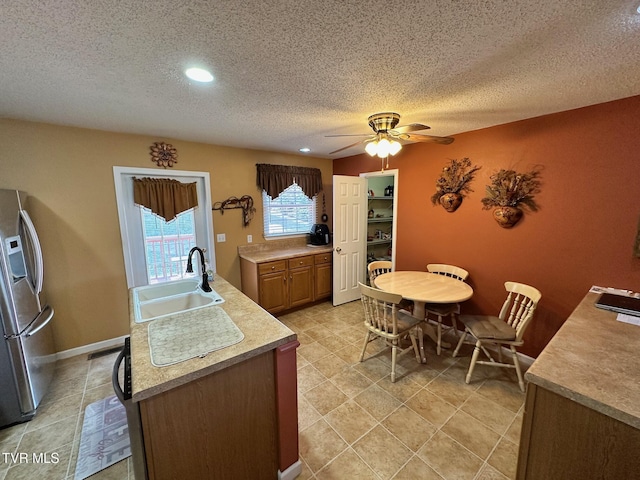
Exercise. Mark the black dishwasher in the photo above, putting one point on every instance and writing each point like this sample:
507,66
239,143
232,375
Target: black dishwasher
132,409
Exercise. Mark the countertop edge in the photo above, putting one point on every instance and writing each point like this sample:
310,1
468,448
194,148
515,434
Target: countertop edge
576,371
584,400
208,370
283,253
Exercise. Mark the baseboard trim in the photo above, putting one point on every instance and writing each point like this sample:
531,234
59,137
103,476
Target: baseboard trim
292,472
86,349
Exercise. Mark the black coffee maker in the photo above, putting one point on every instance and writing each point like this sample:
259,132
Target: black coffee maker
319,234
388,192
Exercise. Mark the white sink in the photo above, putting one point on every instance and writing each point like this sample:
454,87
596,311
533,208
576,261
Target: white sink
161,290
156,301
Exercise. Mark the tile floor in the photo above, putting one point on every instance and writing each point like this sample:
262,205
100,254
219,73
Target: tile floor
354,423
57,426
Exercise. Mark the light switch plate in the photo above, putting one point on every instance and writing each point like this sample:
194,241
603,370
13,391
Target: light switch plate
249,238
221,237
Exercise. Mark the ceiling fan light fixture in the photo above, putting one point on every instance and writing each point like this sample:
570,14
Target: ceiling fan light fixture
371,148
384,147
394,147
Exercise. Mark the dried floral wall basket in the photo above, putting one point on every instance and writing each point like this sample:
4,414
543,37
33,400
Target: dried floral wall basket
507,217
453,184
510,192
450,201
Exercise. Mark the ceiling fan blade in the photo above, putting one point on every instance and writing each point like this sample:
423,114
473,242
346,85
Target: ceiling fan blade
427,138
413,127
348,146
352,135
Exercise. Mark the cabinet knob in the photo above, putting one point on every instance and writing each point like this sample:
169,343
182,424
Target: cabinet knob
273,268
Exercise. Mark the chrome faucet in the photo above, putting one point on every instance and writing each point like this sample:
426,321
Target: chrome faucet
205,283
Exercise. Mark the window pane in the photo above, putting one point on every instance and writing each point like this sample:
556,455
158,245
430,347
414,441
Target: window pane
167,245
290,213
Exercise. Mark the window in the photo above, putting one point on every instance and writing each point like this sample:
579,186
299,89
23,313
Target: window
167,244
292,212
145,264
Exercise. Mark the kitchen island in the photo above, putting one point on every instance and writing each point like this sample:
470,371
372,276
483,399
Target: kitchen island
231,413
582,411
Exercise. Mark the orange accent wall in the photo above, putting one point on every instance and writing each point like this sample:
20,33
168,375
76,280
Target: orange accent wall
582,235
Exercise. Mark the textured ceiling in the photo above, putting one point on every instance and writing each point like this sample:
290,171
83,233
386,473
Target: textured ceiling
289,72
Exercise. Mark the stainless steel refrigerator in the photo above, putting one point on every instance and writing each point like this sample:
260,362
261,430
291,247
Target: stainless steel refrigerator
27,353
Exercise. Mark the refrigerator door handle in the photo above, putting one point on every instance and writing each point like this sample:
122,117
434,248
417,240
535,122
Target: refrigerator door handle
35,241
38,319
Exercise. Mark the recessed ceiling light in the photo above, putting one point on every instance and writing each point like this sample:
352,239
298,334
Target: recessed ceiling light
638,9
199,75
305,149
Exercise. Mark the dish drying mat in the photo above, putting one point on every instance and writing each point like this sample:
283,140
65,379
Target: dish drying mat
177,338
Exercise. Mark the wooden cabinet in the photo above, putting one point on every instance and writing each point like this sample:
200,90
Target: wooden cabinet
221,421
239,422
582,415
564,439
284,284
272,286
323,276
300,281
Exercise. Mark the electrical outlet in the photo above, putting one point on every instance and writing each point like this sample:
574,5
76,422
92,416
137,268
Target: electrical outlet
221,237
249,238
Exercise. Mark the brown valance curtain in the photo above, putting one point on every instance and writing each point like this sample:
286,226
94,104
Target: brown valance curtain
274,179
164,196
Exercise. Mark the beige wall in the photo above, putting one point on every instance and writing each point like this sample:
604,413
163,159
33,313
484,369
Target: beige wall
68,173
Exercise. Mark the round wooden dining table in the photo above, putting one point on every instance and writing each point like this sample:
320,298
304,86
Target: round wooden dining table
422,288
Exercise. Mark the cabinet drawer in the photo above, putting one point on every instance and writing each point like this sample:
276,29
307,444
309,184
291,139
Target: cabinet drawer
323,258
300,262
271,267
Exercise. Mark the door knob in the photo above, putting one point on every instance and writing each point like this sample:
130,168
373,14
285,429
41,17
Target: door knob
338,249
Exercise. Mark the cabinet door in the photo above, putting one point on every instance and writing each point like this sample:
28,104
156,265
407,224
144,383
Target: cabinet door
300,286
323,281
273,291
323,278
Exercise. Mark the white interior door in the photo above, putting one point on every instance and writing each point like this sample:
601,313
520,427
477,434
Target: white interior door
349,237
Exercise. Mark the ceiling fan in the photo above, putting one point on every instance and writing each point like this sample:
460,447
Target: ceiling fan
384,128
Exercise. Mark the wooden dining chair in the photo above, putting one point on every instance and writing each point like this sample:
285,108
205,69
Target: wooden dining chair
378,268
506,329
441,310
384,266
384,319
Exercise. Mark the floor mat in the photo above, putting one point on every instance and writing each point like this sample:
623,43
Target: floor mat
105,437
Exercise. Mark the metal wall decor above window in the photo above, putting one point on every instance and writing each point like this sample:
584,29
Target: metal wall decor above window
163,154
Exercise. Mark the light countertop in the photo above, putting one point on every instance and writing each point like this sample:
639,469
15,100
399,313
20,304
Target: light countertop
262,332
279,250
593,360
